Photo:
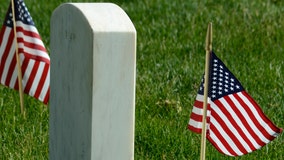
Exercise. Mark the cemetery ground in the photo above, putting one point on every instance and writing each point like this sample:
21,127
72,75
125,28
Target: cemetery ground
247,35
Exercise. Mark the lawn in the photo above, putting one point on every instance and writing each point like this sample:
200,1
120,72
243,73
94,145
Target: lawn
247,35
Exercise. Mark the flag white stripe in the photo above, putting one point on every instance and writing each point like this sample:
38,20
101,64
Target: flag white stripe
200,97
197,111
26,27
5,39
256,114
9,59
225,135
239,122
34,52
14,77
219,143
39,53
8,63
35,83
3,46
27,73
248,118
30,39
195,124
45,87
228,123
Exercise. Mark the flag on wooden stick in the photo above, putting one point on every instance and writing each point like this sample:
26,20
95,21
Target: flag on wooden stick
35,62
235,123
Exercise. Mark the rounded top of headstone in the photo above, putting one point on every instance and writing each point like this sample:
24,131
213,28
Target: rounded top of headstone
102,17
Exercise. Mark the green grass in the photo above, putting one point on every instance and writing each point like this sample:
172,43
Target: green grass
247,35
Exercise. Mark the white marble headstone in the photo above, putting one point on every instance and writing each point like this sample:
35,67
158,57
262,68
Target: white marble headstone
92,96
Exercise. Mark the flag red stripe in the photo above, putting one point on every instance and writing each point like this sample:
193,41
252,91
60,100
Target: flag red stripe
12,68
198,104
24,70
28,33
2,31
42,81
6,50
31,78
25,65
31,56
31,45
254,119
221,138
233,138
263,116
245,123
196,117
217,146
234,123
225,127
46,98
194,129
197,114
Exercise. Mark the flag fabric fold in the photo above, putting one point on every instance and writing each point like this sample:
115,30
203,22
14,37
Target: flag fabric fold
235,123
35,61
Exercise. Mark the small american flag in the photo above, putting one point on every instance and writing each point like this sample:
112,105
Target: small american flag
235,123
34,58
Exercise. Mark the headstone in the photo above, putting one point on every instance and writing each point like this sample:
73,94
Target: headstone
92,95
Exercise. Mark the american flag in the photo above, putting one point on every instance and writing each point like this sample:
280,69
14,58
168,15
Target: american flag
235,123
35,62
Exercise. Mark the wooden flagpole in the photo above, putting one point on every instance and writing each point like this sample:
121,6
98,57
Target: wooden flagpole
18,60
208,49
